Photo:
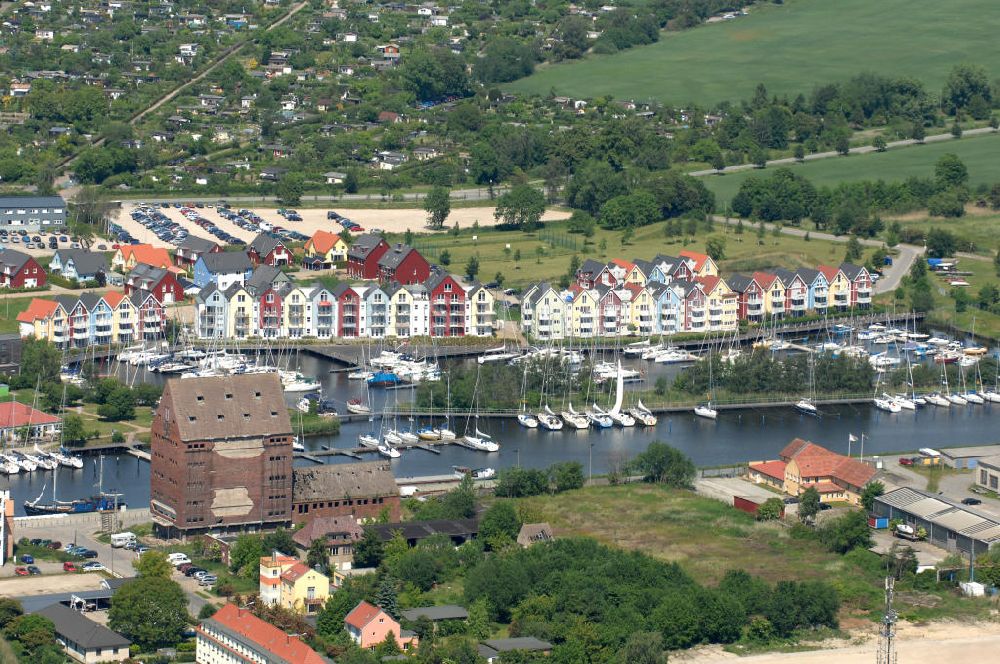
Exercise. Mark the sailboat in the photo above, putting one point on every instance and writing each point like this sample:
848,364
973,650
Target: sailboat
368,440
549,420
102,502
387,450
952,398
443,432
705,410
642,415
617,415
806,405
599,420
358,407
994,394
970,395
481,441
573,419
524,418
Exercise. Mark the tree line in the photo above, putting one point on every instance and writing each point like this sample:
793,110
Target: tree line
760,372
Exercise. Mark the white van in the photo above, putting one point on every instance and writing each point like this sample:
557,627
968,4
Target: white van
178,559
119,540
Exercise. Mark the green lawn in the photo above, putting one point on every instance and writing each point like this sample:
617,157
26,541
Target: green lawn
790,48
979,153
10,308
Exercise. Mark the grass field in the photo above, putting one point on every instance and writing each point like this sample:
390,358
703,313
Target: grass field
742,251
10,308
979,153
790,48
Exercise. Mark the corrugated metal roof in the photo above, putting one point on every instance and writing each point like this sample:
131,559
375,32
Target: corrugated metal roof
944,513
960,521
927,508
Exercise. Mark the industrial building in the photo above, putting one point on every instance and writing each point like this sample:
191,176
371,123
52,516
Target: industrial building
949,524
32,213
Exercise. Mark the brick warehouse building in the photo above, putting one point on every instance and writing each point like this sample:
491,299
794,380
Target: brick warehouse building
221,455
366,490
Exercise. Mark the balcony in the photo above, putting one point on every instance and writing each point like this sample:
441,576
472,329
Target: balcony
755,308
698,313
840,298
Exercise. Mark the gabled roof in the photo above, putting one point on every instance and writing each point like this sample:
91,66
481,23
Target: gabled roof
773,469
339,481
15,414
829,272
146,253
437,277
295,572
699,259
592,267
73,626
623,264
323,241
739,282
113,298
808,275
435,613
708,283
197,245
38,309
13,259
364,245
246,627
819,462
264,277
227,262
645,266
264,244
147,273
363,614
852,271
787,276
397,254
85,262
765,279
32,201
320,527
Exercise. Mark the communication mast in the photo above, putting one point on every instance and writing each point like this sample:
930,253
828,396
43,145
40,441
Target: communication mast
887,631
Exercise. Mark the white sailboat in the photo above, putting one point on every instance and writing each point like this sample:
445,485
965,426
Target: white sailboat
994,394
481,441
705,410
806,405
387,450
549,420
573,419
617,415
524,418
598,419
368,440
642,415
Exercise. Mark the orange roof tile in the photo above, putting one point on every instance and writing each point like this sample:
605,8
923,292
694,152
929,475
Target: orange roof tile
699,259
148,254
708,283
765,279
39,308
816,461
114,298
323,241
294,572
622,263
829,272
775,469
362,614
826,487
266,636
277,561
15,414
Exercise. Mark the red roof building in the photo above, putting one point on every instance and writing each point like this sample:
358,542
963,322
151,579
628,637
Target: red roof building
369,626
14,415
236,635
809,464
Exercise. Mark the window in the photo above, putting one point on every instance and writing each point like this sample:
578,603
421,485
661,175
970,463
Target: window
983,476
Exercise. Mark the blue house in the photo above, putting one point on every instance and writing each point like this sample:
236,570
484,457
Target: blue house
817,284
222,269
668,316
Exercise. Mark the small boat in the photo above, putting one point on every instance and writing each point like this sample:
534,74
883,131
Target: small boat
8,467
548,420
975,350
384,379
573,419
806,407
904,401
368,440
642,415
388,451
674,357
705,410
936,399
360,374
887,405
497,355
990,395
599,420
972,397
652,351
445,433
956,399
297,445
636,349
527,420
481,441
475,473
408,437
358,407
393,437
938,341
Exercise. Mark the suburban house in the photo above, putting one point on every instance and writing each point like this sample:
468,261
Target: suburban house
303,589
19,270
750,297
324,250
16,416
129,255
860,284
403,264
448,300
269,576
437,614
192,248
236,636
84,640
803,464
369,626
704,266
79,264
364,254
161,283
366,490
339,533
222,269
268,250
838,287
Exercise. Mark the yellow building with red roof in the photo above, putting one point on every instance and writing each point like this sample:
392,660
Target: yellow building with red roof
323,250
704,266
129,255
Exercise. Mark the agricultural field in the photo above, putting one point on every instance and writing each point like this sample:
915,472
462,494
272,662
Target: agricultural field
979,153
790,48
743,252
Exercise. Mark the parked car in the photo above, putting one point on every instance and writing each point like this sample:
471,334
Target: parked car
54,545
905,461
21,571
971,501
192,571
185,567
33,570
207,580
69,567
92,566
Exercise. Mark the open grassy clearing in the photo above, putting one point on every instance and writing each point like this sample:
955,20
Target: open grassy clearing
9,309
979,153
789,48
742,251
985,323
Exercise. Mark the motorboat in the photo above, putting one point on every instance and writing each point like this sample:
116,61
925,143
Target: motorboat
358,407
705,410
549,421
573,419
936,399
475,473
607,371
527,420
883,361
599,420
642,415
388,451
368,440
938,341
674,357
360,374
976,351
887,405
293,381
384,379
481,441
806,407
636,349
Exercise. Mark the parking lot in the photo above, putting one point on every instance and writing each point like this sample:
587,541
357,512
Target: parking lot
37,243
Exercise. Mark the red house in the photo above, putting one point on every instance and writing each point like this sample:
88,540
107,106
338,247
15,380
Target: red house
19,270
192,248
149,316
861,284
364,254
349,305
160,283
796,292
751,297
447,304
674,268
403,264
270,307
694,306
611,316
268,250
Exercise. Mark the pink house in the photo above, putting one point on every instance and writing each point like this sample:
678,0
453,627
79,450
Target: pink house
369,625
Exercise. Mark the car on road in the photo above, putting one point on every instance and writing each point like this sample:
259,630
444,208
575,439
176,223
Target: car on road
33,570
194,571
21,571
141,549
971,501
87,553
27,560
905,461
69,567
93,566
201,574
207,580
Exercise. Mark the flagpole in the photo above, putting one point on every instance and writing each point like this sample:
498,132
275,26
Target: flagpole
862,448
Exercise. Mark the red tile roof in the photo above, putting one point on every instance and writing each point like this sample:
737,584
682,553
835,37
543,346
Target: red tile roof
266,636
765,279
826,487
148,254
362,614
38,308
708,283
114,298
829,272
775,469
14,414
294,572
323,241
819,462
622,263
699,259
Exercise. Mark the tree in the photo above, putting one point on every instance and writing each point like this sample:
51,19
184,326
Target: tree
843,145
351,184
437,204
9,609
848,532
280,540
809,503
949,171
434,73
917,132
853,253
940,243
643,648
956,130
799,153
505,60
521,207
245,555
879,144
472,267
40,361
966,86
368,550
719,161
636,209
91,206
770,510
665,464
153,563
758,156
871,491
149,610
385,596
73,431
119,405
566,475
715,247
290,188
499,525
445,258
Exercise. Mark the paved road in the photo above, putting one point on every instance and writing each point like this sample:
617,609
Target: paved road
863,149
891,276
472,194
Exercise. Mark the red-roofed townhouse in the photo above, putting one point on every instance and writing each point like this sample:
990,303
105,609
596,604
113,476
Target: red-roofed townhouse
838,287
447,304
129,255
38,321
236,636
349,307
703,266
369,626
324,250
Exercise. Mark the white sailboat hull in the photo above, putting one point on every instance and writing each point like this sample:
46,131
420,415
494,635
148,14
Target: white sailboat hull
527,421
707,412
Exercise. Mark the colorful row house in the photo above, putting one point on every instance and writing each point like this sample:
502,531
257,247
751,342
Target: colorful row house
94,319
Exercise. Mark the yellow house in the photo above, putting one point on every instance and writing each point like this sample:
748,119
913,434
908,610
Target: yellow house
627,272
839,289
123,317
583,314
481,311
270,572
723,303
544,313
641,310
296,312
704,266
324,249
303,589
41,320
774,293
240,323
